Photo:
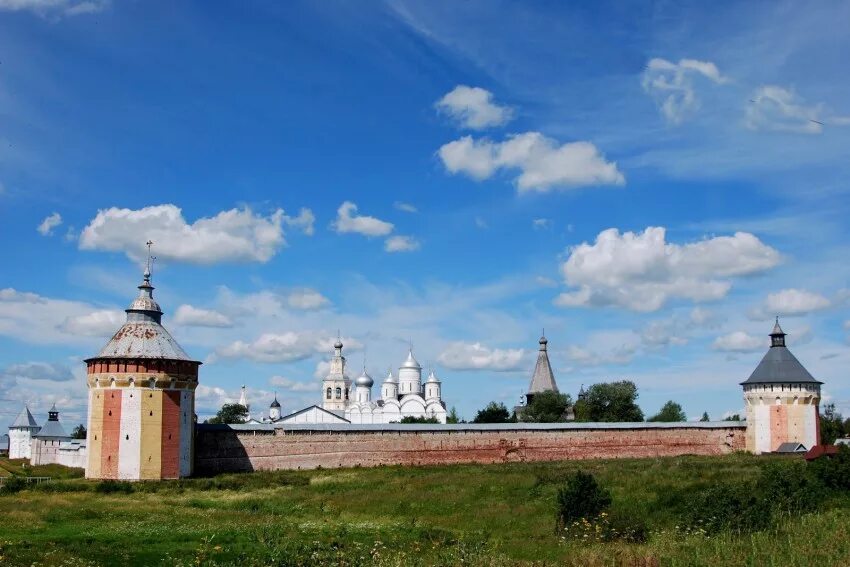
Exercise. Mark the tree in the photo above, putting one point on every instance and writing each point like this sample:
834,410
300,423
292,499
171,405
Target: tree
420,419
452,417
705,416
495,412
546,407
230,413
79,432
733,417
610,401
671,411
832,425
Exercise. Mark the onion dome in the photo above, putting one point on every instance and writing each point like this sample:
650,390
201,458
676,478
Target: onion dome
432,378
390,379
143,335
338,343
275,403
543,342
364,380
411,362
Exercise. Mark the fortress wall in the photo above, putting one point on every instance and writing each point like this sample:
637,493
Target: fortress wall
222,448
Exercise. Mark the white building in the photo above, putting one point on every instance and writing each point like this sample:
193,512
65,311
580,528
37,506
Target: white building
402,396
20,435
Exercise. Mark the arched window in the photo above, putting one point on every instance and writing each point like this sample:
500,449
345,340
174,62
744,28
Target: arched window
328,393
338,393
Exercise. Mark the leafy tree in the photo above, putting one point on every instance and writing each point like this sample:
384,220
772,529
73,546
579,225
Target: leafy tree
495,412
832,425
705,416
230,413
610,401
421,419
581,497
79,432
546,407
671,411
452,417
733,417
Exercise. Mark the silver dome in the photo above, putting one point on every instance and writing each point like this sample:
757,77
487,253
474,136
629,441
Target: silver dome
411,362
391,379
364,380
432,378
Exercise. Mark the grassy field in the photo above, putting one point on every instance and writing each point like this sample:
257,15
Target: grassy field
469,514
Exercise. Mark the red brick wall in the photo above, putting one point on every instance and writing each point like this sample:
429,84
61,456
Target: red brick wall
111,434
171,434
223,449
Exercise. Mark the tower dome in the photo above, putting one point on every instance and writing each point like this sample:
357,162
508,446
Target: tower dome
411,362
409,375
364,380
275,403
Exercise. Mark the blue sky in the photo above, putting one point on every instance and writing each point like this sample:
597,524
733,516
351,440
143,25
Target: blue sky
651,183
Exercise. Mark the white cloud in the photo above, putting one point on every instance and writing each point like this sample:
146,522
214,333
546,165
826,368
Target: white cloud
304,221
789,303
772,107
672,85
739,341
323,367
46,8
197,317
473,108
39,371
306,299
541,224
102,323
237,235
475,356
401,243
290,385
587,357
641,271
406,207
48,224
283,347
348,221
543,163
677,329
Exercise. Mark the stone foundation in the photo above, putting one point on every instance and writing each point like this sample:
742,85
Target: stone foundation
223,448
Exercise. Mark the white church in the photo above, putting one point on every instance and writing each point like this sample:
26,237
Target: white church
347,401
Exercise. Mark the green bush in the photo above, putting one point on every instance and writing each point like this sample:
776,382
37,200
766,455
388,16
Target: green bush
791,488
581,497
12,485
113,486
737,507
834,472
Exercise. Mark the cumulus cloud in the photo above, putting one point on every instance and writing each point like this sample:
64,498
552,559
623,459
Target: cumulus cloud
39,371
775,108
304,221
290,385
739,341
677,329
348,221
48,224
473,108
101,323
196,317
283,347
673,85
586,357
475,356
237,235
401,243
642,272
789,303
323,368
54,8
406,207
306,299
542,162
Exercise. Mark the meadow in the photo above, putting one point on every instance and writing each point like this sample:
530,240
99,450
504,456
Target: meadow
449,515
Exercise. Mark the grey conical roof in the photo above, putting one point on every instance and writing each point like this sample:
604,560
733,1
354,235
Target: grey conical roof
24,419
543,379
778,365
52,428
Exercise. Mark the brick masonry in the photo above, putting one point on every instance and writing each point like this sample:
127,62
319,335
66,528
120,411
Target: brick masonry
246,448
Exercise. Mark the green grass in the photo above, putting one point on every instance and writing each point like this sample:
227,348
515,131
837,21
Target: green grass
470,514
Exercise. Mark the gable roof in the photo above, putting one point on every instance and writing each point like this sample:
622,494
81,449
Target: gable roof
791,447
24,419
779,365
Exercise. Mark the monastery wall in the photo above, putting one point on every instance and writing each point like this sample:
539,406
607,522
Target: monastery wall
223,448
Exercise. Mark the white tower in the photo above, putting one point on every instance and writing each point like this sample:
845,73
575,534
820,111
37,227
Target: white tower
20,435
363,387
243,399
389,391
432,388
274,409
336,385
410,376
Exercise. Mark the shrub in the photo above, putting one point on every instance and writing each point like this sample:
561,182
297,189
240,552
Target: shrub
581,497
12,485
113,486
737,507
791,488
833,472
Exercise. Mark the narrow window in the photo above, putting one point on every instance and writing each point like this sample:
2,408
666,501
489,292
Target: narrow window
328,394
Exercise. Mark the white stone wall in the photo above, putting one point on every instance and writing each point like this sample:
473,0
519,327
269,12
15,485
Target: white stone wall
130,442
20,443
72,455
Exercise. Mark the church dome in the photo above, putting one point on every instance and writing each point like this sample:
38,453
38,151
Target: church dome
390,378
432,378
364,380
275,403
411,362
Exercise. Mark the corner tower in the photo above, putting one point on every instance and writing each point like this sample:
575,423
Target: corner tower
141,399
782,400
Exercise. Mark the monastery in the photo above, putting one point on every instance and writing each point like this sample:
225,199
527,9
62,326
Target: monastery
142,425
